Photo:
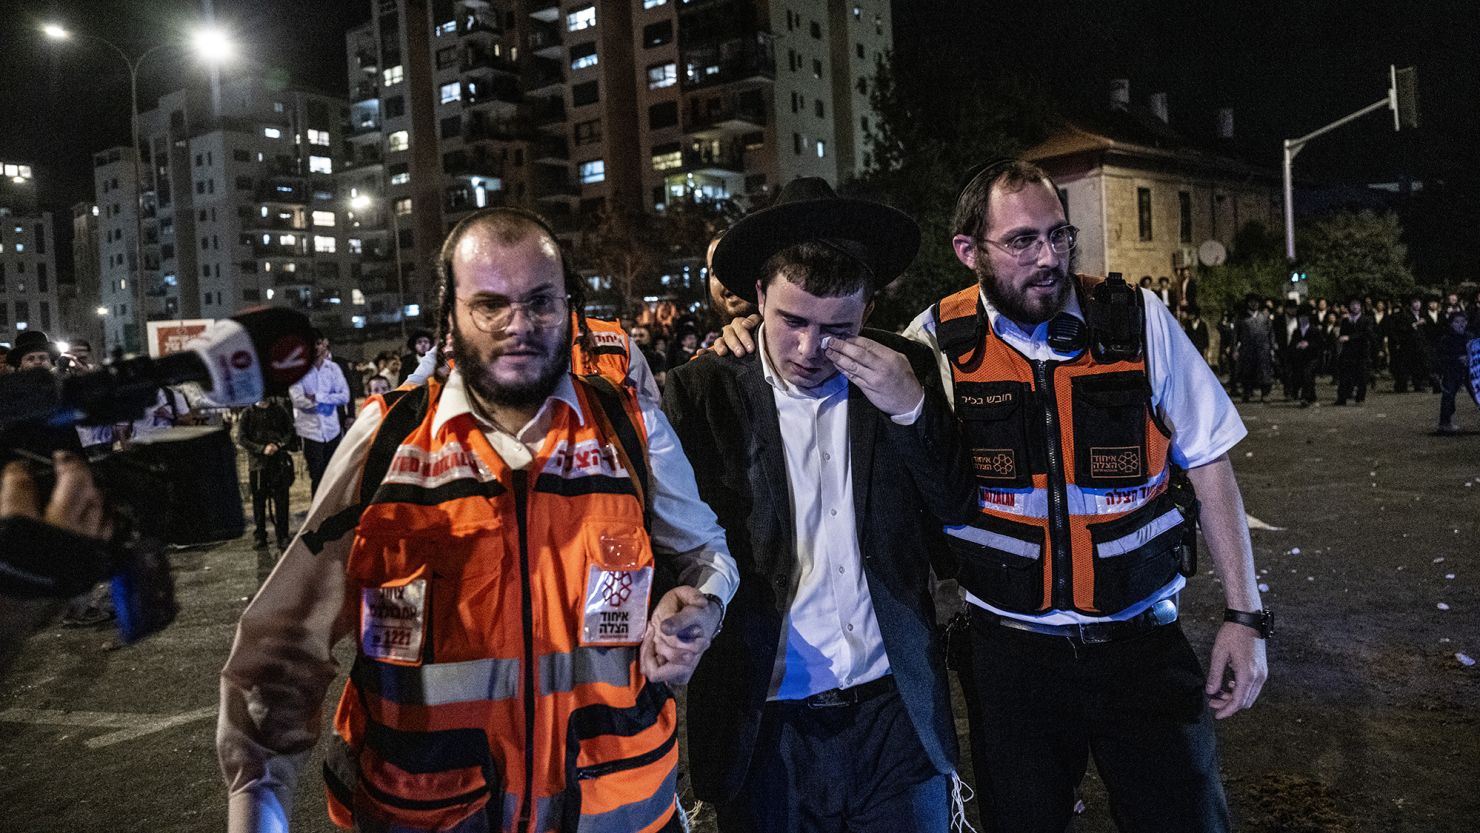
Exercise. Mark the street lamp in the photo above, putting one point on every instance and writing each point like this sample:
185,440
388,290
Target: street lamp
362,202
212,45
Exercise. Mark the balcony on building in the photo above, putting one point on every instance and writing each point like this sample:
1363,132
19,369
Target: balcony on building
480,61
545,82
479,128
711,116
478,22
362,124
547,11
364,156
498,91
550,151
714,158
275,221
283,190
548,114
734,60
274,247
464,163
555,185
545,41
466,197
368,62
364,91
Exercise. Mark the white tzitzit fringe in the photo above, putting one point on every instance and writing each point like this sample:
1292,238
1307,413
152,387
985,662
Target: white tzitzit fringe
688,817
961,792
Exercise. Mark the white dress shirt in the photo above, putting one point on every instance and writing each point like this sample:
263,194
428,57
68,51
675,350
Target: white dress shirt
1186,395
831,637
317,419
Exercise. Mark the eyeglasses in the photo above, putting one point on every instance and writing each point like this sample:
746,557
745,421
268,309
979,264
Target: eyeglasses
493,315
1025,247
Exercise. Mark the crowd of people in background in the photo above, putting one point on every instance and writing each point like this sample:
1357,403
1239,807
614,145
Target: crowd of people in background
1421,344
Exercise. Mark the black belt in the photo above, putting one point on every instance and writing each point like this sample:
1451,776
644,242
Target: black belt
845,696
1162,613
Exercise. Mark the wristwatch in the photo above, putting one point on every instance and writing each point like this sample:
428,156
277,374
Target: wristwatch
716,600
1261,621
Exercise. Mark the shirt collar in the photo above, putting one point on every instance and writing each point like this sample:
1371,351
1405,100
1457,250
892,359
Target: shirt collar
456,402
1005,327
835,384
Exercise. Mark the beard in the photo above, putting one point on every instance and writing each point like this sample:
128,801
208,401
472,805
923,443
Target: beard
476,368
1018,304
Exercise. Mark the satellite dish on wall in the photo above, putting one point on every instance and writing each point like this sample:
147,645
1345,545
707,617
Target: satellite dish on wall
1211,253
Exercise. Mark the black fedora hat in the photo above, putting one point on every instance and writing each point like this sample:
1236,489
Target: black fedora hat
883,238
31,341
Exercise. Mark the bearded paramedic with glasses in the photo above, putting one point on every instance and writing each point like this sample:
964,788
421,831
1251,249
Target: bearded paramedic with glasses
1073,568
491,543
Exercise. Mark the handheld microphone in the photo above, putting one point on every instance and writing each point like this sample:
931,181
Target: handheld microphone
236,360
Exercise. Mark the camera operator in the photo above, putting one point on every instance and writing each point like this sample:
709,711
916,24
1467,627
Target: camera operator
47,556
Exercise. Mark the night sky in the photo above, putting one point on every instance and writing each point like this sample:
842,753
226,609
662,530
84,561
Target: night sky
1285,67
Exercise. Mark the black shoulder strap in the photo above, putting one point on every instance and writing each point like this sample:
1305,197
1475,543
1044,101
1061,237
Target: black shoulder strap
629,442
961,339
404,410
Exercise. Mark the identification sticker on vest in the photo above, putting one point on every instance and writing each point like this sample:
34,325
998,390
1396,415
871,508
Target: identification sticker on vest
1115,461
393,621
995,463
616,611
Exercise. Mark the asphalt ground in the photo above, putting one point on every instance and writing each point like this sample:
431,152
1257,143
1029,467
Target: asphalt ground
1370,721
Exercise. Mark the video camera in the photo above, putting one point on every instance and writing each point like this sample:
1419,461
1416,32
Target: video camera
178,486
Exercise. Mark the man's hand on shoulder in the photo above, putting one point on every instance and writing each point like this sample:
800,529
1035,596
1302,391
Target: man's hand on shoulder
680,630
884,375
736,339
1237,670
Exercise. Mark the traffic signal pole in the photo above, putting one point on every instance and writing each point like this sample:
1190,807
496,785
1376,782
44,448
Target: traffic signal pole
1401,98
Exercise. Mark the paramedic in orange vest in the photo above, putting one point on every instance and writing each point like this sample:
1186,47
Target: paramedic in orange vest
1076,424
490,545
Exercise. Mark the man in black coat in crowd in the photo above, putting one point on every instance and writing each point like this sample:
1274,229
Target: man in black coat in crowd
1406,352
265,431
1303,355
1357,341
831,459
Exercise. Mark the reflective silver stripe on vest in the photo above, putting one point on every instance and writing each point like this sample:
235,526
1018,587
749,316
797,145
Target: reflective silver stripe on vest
453,682
563,672
995,540
1129,543
638,814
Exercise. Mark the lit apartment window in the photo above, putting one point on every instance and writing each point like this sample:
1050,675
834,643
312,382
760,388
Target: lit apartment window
272,133
857,12
447,28
287,240
581,18
398,140
821,149
323,218
323,244
653,4
356,247
583,55
393,75
318,137
356,296
662,75
400,178
451,92
593,171
667,157
320,165
403,206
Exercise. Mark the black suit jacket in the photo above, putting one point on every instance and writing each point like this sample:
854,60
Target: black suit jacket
907,481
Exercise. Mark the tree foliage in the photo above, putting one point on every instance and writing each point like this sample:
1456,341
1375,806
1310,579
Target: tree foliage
622,247
1356,254
933,121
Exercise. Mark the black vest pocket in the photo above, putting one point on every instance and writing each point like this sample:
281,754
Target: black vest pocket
994,418
1001,562
1136,555
1110,412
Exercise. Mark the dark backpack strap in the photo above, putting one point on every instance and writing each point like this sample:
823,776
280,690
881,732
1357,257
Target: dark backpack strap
404,410
961,339
629,439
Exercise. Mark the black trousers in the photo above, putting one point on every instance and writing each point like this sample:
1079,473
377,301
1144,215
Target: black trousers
855,768
1043,705
264,485
1351,377
1303,380
317,456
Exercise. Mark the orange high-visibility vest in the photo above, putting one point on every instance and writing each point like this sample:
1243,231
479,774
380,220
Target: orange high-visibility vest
1072,469
607,357
485,694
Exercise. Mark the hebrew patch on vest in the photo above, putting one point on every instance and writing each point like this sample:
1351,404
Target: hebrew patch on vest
995,463
393,621
608,342
616,609
1115,461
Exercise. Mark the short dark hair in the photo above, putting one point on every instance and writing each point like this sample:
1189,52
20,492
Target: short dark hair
509,226
970,217
825,269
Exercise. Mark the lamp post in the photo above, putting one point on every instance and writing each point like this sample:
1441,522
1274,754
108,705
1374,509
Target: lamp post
207,42
360,202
